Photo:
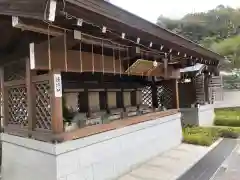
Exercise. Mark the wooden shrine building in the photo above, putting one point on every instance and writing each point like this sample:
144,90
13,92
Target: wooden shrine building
203,87
72,70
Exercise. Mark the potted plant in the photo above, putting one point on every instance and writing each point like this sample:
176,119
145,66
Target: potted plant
68,116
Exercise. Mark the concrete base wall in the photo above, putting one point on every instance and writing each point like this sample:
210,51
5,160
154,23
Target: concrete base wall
202,116
99,157
189,116
206,115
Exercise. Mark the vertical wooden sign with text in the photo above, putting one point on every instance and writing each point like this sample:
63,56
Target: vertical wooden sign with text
57,85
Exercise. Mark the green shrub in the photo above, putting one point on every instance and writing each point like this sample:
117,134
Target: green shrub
227,114
198,140
228,134
200,136
227,122
205,136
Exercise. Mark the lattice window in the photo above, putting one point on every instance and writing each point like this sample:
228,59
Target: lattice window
17,105
147,96
165,96
43,111
15,70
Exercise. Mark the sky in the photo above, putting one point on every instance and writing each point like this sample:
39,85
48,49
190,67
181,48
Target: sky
175,9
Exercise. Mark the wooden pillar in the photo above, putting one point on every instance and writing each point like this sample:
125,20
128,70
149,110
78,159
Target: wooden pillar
31,97
206,88
56,101
4,116
154,95
122,102
165,62
106,100
177,93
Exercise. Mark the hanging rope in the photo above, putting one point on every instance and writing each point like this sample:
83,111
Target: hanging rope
65,51
102,57
128,62
49,50
114,68
93,67
110,31
119,53
80,56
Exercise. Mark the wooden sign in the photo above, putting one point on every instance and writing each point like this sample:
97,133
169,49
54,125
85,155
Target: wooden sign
57,85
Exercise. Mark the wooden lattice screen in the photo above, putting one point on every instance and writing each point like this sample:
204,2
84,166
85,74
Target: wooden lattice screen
17,105
15,93
147,96
165,96
43,108
16,99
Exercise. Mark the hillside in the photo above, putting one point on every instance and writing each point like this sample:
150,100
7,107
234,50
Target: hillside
218,29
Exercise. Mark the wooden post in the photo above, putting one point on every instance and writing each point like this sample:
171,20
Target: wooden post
56,101
177,94
165,62
31,97
106,100
154,95
122,101
3,111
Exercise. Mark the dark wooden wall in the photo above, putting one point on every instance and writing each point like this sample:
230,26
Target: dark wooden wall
187,94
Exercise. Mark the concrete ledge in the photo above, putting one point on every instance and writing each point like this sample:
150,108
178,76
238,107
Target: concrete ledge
102,156
202,116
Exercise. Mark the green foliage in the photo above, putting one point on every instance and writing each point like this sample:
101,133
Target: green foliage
226,133
199,136
227,122
198,139
227,117
230,48
206,136
221,129
217,29
67,113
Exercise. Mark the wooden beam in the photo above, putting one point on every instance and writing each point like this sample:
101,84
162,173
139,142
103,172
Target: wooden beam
24,8
31,97
35,26
56,101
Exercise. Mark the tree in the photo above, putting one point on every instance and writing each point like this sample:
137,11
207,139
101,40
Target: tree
229,48
217,29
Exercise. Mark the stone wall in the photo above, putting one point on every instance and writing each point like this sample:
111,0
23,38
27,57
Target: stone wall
98,157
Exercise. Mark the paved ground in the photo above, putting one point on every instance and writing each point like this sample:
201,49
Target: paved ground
207,166
230,169
170,165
